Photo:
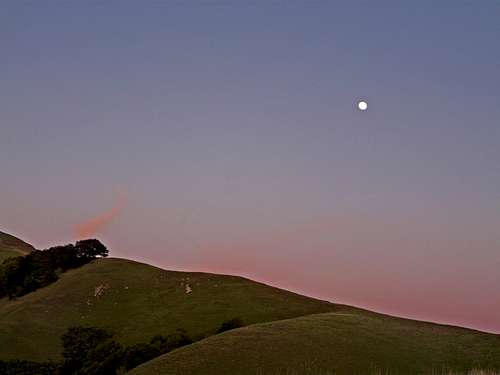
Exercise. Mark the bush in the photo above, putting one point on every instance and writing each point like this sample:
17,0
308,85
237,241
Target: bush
134,355
106,358
16,367
170,342
230,324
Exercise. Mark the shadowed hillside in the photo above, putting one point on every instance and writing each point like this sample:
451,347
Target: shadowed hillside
333,343
11,246
137,301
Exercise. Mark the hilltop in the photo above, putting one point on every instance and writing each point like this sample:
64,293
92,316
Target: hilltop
11,246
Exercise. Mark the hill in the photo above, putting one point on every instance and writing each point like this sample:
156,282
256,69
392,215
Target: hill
11,246
137,301
286,333
333,343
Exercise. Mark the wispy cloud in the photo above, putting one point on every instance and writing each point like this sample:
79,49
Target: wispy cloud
97,223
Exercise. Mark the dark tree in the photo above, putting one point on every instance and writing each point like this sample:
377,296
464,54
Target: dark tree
230,324
170,342
18,367
39,271
134,355
77,343
87,250
92,351
12,274
104,359
22,275
63,257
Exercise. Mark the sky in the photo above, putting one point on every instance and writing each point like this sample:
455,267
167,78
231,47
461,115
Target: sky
225,137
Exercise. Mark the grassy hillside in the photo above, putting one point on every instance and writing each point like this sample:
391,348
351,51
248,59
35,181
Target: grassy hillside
288,334
137,301
11,246
333,343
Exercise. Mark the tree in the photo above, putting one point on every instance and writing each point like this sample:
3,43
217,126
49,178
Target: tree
170,342
104,359
87,250
77,342
39,271
63,257
22,275
20,367
134,355
92,351
12,274
230,324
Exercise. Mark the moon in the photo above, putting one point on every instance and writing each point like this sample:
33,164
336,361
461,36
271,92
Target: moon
362,105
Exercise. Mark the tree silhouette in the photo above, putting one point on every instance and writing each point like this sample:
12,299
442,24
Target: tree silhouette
22,275
87,250
85,348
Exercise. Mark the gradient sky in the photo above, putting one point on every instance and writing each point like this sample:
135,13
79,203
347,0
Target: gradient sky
224,137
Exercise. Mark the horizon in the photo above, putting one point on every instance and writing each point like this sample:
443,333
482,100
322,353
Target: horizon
228,139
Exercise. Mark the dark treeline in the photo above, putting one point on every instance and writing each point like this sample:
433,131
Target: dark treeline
92,351
24,274
89,350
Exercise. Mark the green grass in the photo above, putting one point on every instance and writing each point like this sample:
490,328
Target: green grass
11,246
334,343
137,301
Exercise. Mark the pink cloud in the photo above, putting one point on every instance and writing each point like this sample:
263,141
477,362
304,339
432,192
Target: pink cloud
97,223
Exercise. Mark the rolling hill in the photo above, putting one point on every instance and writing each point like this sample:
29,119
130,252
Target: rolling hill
11,246
333,343
137,301
286,333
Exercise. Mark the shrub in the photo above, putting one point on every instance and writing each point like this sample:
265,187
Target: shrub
136,354
17,367
230,324
170,342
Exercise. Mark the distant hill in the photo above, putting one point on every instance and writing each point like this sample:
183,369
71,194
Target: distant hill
333,343
137,301
11,246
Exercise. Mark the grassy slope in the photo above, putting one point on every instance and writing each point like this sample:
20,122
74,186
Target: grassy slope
137,301
332,343
11,246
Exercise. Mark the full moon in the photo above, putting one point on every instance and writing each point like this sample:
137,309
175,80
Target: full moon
363,106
